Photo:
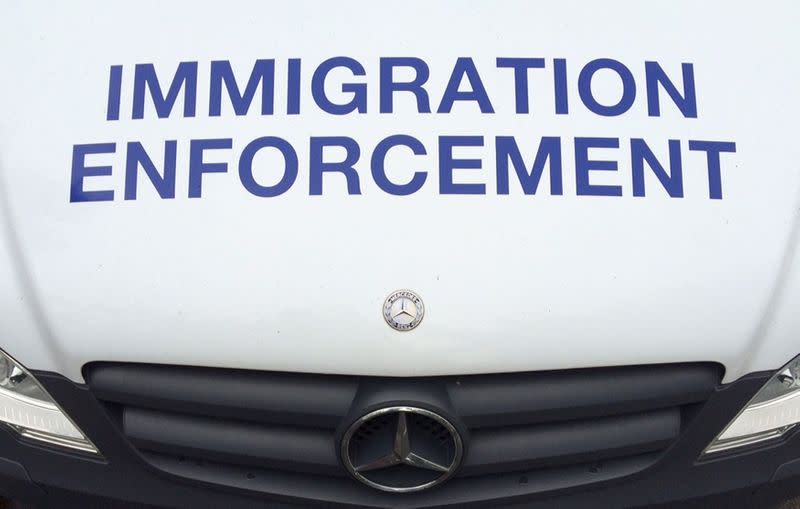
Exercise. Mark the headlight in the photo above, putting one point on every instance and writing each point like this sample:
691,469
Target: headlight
27,408
772,412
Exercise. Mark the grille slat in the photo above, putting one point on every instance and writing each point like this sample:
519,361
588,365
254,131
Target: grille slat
280,447
242,395
228,420
528,398
529,447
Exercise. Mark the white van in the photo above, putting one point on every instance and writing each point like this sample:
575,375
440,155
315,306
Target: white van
409,254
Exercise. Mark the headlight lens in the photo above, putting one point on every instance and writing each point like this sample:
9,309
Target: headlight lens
27,408
772,412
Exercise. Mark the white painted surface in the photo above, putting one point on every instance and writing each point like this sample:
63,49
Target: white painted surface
296,283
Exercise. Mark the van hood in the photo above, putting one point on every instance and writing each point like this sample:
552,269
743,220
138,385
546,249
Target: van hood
297,281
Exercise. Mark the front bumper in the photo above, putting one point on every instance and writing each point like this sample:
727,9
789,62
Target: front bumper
124,478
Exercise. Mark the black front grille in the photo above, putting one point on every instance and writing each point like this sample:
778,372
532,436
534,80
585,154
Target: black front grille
234,427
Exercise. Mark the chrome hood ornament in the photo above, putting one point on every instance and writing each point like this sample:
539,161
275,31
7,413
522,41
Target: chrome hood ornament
403,310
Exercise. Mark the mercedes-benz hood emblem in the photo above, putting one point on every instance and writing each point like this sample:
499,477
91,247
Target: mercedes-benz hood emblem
403,310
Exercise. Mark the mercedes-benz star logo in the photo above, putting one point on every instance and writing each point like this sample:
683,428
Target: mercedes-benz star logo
402,449
403,310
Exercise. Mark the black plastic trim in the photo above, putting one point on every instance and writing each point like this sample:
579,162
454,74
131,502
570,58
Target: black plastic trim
291,448
127,477
267,397
493,450
510,399
513,422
